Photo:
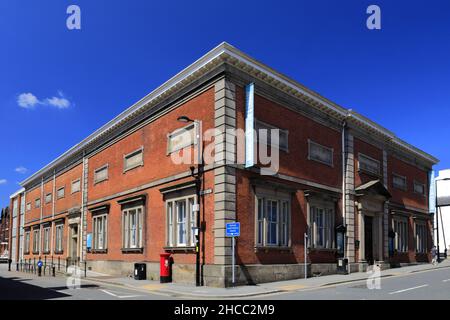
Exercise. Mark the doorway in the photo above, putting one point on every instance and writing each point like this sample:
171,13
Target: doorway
368,239
73,243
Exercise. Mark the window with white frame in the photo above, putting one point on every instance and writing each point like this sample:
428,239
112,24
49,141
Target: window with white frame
100,231
401,234
419,187
321,224
133,160
368,164
48,198
264,135
28,206
36,240
46,240
26,246
181,138
61,193
59,232
399,182
320,153
421,237
132,227
37,203
181,221
101,174
272,220
76,185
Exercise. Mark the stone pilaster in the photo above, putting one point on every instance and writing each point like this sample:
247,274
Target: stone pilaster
84,201
349,196
386,210
224,176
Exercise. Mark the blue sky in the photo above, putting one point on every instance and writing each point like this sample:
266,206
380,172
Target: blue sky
76,80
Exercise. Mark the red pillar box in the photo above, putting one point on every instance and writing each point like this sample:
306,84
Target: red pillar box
165,268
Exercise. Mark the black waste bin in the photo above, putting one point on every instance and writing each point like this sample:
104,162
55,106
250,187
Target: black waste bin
140,271
342,265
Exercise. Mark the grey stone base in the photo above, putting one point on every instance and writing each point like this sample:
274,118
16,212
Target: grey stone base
181,273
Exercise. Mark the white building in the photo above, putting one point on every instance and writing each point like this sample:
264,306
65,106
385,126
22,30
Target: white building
443,214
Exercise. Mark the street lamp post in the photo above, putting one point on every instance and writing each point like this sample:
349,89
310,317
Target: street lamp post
198,182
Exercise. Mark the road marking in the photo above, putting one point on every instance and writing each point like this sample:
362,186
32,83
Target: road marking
117,296
446,280
413,288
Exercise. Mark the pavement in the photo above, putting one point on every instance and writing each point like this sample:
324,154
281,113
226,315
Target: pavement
249,291
395,283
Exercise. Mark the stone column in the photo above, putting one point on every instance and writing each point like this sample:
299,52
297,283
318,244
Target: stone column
386,210
224,174
84,199
349,196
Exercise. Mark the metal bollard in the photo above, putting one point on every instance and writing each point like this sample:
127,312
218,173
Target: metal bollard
85,268
59,264
53,270
17,266
9,264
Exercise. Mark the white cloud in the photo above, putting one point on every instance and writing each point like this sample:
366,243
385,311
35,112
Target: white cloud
60,103
3,181
21,170
29,101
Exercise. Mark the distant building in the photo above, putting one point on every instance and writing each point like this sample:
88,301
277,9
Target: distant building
4,231
444,220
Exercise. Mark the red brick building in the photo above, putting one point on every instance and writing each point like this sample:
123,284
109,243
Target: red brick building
4,232
119,197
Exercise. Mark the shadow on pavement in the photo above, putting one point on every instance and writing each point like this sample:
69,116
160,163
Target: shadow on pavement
15,289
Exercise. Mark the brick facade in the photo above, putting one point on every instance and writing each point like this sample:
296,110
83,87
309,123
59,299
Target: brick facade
303,187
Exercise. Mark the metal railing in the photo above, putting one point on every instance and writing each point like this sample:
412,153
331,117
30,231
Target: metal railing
50,265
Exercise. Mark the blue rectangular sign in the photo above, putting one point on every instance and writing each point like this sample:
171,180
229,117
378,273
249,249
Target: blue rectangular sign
233,229
249,125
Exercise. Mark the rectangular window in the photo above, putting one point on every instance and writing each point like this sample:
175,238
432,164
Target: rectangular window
26,248
265,135
100,228
272,221
37,203
36,240
368,164
401,235
59,230
421,237
48,198
76,186
101,174
132,226
322,226
419,188
399,182
46,240
28,206
133,160
61,192
320,153
181,138
181,221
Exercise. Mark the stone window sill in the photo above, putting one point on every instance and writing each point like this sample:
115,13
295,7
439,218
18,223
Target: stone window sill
132,250
180,249
267,249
